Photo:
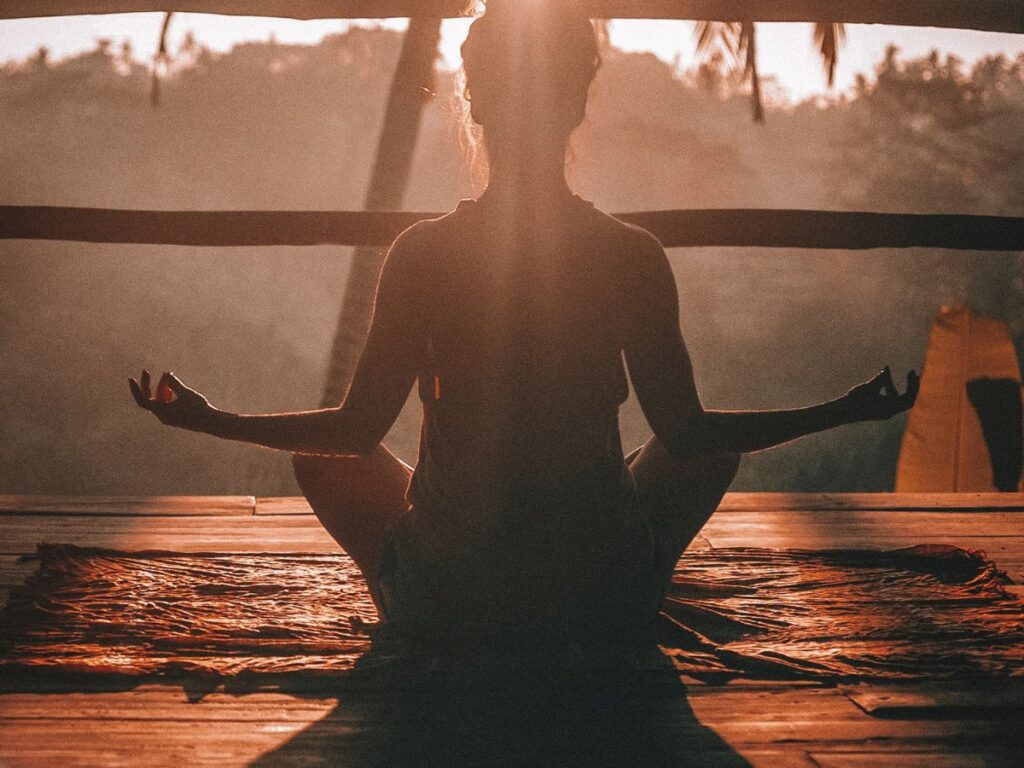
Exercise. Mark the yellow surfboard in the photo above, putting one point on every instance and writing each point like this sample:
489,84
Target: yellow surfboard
944,449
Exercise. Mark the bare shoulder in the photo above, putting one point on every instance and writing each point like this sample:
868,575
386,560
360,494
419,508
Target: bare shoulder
639,251
417,244
622,233
412,240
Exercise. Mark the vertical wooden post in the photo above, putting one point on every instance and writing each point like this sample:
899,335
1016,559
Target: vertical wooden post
410,91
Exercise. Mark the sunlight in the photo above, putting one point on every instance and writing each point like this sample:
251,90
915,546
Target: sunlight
786,53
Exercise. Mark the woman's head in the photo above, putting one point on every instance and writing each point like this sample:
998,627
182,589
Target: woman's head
528,67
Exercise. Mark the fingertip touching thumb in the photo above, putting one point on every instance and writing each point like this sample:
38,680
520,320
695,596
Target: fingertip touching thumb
167,389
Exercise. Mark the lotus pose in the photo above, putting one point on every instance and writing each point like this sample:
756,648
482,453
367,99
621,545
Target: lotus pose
518,315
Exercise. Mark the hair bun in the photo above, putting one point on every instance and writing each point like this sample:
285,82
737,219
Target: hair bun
554,38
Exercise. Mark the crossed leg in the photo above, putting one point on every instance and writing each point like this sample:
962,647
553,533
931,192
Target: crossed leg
356,498
679,495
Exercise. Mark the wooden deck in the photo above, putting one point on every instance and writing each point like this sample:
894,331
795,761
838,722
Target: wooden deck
958,723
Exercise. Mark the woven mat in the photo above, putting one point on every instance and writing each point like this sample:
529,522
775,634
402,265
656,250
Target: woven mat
843,615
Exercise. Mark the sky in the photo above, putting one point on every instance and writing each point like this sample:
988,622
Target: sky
785,50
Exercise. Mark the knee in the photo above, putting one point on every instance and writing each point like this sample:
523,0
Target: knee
727,464
663,473
373,480
717,470
305,464
705,464
312,471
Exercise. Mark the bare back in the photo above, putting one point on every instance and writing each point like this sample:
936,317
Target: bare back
519,347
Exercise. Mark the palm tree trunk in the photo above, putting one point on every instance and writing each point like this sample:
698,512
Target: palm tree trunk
749,32
410,90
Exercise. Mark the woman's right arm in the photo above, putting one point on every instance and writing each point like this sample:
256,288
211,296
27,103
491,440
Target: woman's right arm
662,376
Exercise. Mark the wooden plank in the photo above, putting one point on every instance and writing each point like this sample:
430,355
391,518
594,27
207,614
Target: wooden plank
127,505
896,758
842,524
713,705
774,725
738,529
774,702
18,735
19,534
116,743
991,15
782,228
283,505
719,534
745,757
990,699
771,725
961,502
152,702
745,501
808,732
718,706
13,570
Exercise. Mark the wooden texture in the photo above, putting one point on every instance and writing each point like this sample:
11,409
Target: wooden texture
283,525
981,700
745,501
760,725
228,533
127,505
283,505
916,759
254,533
14,569
991,15
736,501
952,723
783,228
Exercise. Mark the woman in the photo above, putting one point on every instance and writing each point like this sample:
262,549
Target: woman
515,313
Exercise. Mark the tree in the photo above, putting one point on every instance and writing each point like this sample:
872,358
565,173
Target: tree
409,89
736,42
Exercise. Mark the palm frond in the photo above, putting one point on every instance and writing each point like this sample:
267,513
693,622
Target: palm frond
738,41
717,36
828,39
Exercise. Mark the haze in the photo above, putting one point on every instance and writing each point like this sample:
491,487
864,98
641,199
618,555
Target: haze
278,126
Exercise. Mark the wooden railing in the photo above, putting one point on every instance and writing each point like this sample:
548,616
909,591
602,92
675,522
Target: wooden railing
678,228
675,229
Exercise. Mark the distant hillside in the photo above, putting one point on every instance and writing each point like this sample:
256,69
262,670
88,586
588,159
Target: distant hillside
294,127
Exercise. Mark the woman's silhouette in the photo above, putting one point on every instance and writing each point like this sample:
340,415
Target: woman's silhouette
517,314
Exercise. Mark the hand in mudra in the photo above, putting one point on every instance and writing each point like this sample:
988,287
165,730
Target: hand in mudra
173,403
879,399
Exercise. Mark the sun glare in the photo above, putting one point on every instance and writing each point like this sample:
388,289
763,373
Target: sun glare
785,51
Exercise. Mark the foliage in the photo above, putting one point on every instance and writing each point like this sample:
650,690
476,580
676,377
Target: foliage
277,126
730,43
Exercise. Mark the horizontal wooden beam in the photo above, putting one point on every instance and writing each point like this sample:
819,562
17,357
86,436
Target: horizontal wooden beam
991,15
676,229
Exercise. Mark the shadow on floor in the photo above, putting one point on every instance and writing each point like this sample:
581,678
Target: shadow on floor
546,725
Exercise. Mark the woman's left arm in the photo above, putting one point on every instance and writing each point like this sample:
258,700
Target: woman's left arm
380,386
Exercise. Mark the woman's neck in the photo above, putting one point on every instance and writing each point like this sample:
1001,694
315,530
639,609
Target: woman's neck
522,181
